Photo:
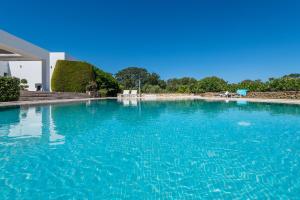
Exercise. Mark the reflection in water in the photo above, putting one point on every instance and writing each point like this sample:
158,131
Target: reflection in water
51,123
33,122
155,150
129,102
30,124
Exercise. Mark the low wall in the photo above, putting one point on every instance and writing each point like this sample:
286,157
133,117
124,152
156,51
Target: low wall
38,96
166,94
259,95
275,95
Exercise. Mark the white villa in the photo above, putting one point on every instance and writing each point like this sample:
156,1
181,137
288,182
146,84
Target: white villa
21,59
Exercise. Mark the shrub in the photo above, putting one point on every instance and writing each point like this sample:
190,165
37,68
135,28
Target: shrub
252,86
151,89
182,85
9,89
23,85
284,84
71,76
103,92
106,81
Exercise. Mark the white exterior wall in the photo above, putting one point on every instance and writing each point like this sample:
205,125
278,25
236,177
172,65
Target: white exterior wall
33,71
37,64
29,70
27,52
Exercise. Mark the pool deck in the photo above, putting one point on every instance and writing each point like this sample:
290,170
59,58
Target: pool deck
165,98
24,103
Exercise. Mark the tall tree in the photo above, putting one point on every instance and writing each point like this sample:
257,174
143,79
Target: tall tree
130,76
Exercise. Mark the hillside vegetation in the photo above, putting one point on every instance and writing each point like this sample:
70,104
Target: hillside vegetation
152,83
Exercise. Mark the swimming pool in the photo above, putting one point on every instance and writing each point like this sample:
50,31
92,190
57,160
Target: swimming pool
150,150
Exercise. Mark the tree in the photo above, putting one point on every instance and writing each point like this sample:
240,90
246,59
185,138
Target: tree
295,75
106,83
257,85
284,84
212,84
182,85
152,89
130,76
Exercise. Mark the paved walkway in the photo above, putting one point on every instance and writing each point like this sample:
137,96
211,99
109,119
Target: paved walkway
21,103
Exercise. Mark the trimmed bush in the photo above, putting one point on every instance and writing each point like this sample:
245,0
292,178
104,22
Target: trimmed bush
9,89
71,76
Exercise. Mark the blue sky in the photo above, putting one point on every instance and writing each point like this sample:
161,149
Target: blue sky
233,39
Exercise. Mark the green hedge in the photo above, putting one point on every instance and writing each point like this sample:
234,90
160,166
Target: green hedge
71,76
9,89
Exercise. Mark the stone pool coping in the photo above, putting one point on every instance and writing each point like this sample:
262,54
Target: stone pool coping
258,100
23,103
170,98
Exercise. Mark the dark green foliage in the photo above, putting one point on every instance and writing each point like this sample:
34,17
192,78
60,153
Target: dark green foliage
106,82
103,92
130,76
150,82
182,85
251,86
153,79
152,89
74,76
212,84
9,89
285,83
296,75
23,84
71,76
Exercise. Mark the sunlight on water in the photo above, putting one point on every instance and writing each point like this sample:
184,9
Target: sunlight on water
150,150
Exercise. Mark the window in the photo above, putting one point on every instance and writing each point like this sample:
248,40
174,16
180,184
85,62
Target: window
5,74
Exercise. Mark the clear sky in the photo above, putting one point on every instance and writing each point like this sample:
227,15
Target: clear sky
233,39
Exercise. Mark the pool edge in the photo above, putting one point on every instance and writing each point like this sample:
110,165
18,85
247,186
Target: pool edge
281,101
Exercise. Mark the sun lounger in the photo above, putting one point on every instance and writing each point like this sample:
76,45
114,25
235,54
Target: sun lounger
126,93
133,93
226,94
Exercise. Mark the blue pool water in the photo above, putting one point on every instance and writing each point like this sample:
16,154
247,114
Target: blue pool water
150,150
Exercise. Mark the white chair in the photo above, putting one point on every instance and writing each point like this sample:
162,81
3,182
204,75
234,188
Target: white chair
226,94
125,93
133,93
